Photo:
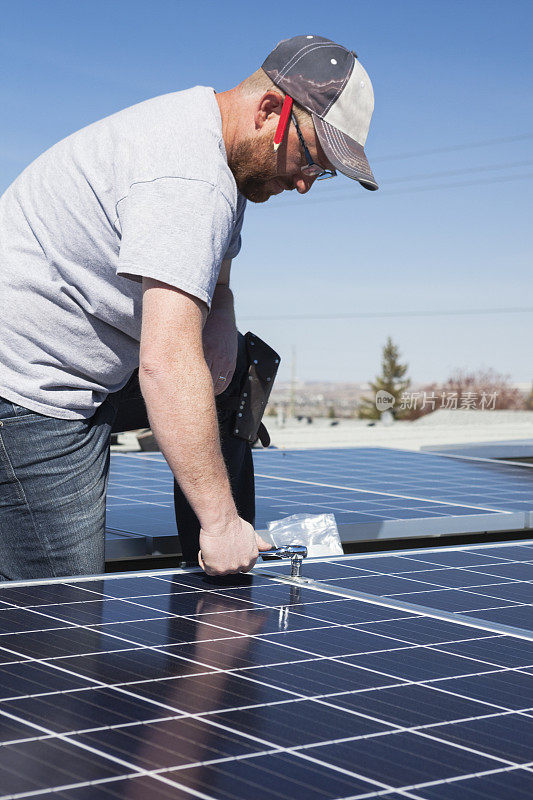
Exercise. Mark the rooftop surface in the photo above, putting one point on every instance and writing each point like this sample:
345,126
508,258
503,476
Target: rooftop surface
440,428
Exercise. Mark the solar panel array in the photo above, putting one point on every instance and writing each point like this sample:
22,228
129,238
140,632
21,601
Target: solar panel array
174,685
373,493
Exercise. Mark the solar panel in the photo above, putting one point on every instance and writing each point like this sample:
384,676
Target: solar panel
492,583
177,685
140,507
401,480
373,493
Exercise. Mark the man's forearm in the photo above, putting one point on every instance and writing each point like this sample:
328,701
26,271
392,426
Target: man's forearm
182,414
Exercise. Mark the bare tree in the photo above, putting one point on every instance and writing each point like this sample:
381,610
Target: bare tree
481,390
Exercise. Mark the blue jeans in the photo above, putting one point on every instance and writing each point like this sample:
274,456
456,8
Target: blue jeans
53,482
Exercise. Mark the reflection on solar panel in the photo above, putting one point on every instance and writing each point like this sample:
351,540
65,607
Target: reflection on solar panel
373,493
171,684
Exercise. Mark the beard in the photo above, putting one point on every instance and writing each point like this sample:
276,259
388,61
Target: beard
253,165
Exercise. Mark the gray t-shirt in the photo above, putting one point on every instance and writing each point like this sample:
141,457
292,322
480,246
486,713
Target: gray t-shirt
144,192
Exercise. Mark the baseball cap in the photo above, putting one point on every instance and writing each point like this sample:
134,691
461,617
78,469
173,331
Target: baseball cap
329,81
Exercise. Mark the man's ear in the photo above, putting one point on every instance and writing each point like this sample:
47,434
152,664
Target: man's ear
269,103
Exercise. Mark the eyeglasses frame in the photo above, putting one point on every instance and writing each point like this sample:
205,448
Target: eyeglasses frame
312,168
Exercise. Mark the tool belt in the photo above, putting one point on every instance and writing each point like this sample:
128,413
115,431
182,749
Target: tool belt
249,406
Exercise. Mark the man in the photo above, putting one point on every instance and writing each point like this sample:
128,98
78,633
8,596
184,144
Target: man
115,252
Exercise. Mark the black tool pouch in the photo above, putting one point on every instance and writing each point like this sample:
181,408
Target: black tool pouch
263,363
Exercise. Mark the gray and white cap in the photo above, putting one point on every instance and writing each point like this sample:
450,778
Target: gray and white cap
329,81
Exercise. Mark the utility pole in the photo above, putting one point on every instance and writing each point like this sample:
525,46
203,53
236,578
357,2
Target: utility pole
293,381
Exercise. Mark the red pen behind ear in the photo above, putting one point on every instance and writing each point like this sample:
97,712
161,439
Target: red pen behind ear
283,119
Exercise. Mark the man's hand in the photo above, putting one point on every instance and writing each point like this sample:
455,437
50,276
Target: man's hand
236,549
220,338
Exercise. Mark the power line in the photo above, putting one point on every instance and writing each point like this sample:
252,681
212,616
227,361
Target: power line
415,190
421,176
381,314
454,148
465,171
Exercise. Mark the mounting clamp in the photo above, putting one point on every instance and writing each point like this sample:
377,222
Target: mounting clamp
296,553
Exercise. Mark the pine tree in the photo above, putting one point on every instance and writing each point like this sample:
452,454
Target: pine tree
391,380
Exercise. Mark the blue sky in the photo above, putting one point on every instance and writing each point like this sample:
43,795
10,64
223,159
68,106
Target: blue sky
450,143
